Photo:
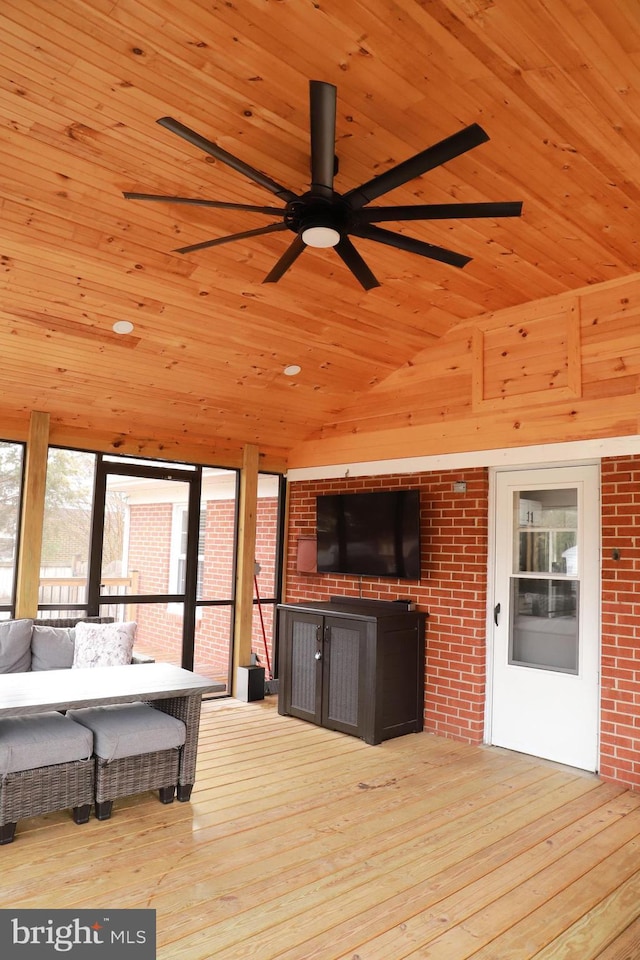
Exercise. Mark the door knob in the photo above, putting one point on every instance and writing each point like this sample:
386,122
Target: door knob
496,613
318,655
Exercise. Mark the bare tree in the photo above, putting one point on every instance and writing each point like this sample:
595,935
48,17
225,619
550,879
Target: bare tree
69,511
11,460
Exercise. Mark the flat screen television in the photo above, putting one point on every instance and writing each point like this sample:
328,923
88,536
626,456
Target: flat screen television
369,534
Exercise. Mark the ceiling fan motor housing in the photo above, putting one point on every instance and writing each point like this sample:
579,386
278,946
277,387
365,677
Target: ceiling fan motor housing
311,211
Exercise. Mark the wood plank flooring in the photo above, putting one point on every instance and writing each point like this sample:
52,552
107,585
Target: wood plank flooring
304,844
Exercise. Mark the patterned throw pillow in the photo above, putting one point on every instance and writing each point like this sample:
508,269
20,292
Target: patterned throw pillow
103,644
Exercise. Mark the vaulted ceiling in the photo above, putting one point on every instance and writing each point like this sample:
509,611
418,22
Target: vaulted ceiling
555,85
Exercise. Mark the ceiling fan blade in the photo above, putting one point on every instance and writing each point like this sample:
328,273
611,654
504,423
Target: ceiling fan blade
350,256
323,135
216,204
441,211
290,255
411,245
272,228
215,151
433,156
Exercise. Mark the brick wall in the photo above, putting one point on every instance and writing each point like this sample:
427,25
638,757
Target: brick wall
452,589
620,677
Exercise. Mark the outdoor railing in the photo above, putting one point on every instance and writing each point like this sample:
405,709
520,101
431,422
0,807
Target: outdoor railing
65,591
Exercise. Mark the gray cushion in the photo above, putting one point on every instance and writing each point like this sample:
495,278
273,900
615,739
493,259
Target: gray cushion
52,647
129,729
41,741
15,646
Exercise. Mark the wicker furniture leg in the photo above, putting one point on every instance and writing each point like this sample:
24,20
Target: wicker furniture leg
7,832
188,710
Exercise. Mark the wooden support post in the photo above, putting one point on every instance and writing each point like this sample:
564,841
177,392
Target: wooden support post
29,555
246,561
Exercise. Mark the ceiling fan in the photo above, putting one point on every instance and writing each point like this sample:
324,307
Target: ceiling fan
322,217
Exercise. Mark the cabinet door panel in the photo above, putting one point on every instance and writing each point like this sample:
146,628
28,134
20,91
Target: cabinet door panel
303,642
341,678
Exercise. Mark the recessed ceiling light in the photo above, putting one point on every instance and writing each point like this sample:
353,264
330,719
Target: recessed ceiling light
292,370
122,326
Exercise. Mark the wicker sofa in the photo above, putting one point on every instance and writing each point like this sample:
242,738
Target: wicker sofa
44,644
46,760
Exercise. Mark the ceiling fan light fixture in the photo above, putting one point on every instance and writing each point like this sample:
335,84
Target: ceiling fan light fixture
319,235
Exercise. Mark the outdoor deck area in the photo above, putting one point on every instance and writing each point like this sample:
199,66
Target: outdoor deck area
304,844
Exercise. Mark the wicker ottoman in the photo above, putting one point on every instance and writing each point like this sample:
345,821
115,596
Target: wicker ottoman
45,764
136,749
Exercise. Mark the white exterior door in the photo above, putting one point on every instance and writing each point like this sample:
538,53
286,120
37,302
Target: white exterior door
545,678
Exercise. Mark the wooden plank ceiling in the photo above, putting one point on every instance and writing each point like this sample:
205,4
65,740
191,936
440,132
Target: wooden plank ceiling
82,84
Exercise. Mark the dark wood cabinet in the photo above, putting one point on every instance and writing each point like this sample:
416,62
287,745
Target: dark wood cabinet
353,666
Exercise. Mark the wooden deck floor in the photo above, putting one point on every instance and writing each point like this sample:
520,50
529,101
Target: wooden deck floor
303,844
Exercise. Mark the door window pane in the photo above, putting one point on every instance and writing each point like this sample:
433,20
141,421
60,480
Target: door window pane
546,531
216,550
151,561
544,607
544,624
138,535
213,642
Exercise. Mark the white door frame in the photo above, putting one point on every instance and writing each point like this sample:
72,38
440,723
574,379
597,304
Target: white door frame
491,583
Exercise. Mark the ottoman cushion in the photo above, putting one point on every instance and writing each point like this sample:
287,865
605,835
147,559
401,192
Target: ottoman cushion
129,729
41,741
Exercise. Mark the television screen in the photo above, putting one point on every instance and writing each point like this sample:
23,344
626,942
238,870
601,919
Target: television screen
370,534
